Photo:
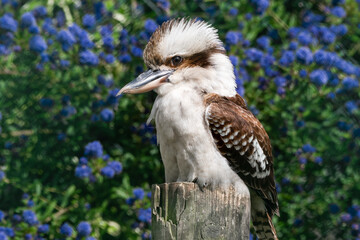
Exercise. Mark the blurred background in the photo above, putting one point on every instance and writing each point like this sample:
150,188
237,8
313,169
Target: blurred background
77,162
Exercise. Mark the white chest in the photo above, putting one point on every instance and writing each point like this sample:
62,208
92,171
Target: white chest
179,115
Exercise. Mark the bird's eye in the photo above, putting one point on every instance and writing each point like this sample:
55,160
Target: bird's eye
175,61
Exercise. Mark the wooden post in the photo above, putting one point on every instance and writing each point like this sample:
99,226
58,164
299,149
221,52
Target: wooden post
182,211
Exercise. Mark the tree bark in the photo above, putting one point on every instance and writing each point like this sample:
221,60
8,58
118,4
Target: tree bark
182,211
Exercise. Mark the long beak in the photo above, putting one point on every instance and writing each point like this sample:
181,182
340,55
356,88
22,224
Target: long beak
146,81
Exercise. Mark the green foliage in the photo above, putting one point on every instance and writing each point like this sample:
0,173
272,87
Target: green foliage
42,141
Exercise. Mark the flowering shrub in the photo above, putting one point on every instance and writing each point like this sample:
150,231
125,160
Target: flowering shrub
77,162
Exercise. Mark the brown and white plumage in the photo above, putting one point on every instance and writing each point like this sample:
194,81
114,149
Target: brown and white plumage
243,141
204,129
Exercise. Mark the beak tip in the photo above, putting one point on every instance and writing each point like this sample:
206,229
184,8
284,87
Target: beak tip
121,92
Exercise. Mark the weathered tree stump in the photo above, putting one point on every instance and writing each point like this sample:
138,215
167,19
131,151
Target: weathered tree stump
182,211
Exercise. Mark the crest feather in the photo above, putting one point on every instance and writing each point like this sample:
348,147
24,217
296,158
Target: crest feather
183,37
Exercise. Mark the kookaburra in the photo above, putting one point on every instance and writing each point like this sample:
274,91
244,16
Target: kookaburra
205,131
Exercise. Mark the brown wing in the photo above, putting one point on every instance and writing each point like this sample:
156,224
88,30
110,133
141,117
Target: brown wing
243,141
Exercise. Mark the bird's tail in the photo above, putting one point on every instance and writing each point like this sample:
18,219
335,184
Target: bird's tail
264,227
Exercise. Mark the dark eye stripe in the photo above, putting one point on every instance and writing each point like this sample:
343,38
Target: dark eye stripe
200,59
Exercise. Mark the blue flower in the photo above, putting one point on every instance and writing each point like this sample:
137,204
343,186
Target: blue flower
106,30
116,166
109,58
260,5
304,56
248,16
89,58
356,132
280,81
307,148
2,215
101,79
287,58
337,2
44,228
67,111
318,160
90,238
254,54
47,27
30,203
66,39
83,161
145,236
150,25
84,39
84,229
338,12
293,45
325,58
163,4
345,66
3,236
28,236
319,77
4,50
302,73
305,38
144,215
334,208
130,201
88,21
350,83
234,60
267,60
94,149
124,58
8,23
40,11
339,30
37,44
254,110
66,230
137,52
27,20
108,42
346,217
326,36
107,172
245,43
34,29
298,222
107,115
139,193
112,99
94,118
106,157
233,12
61,136
351,106
29,217
232,37
8,231
83,171
294,31
300,123
263,42
99,9
46,102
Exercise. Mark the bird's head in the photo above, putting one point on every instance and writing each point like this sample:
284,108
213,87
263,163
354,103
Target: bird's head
188,53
